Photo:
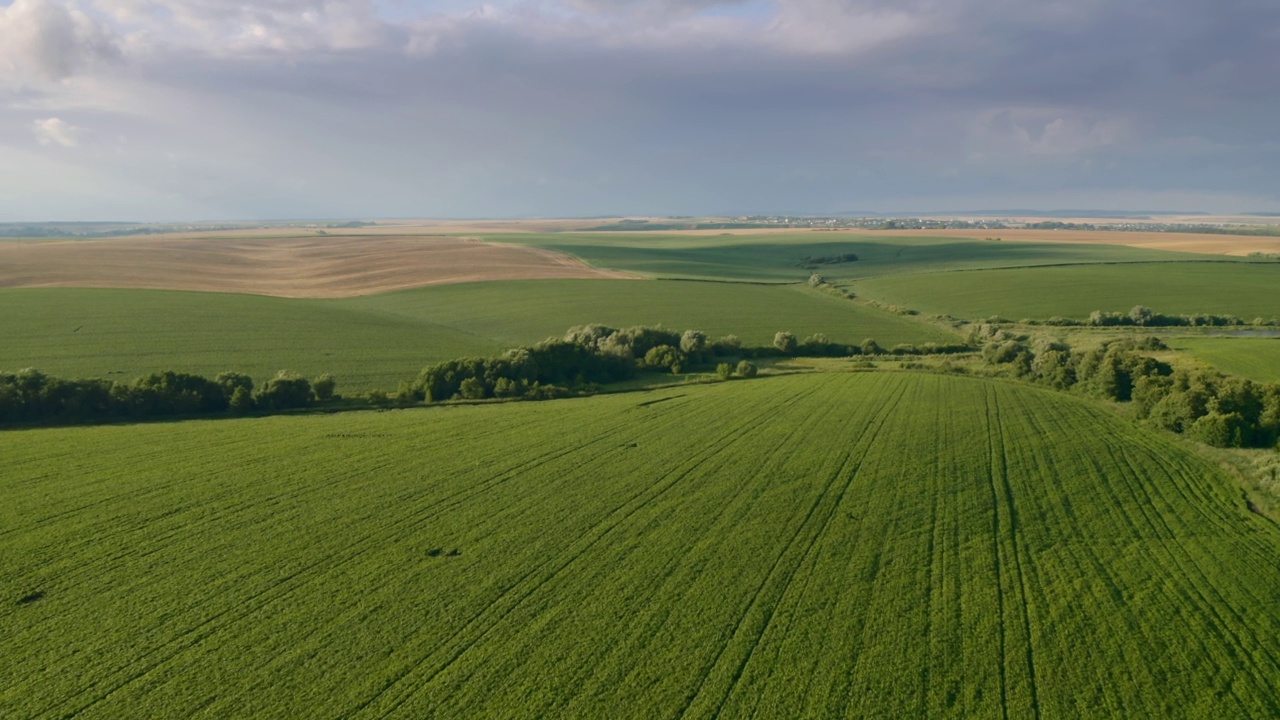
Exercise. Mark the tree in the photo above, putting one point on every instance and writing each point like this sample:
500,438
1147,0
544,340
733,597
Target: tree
871,347
1141,315
818,344
1220,430
232,380
724,370
241,400
473,389
664,357
693,342
589,335
747,369
728,345
285,390
323,387
506,387
1053,367
786,342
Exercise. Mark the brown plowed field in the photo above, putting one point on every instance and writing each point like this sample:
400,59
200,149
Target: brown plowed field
319,266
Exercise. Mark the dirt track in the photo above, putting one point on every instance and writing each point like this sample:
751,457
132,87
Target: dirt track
319,266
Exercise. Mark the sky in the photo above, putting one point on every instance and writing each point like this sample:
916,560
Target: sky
171,110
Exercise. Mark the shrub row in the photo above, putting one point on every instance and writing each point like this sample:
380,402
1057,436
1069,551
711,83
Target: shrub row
1142,316
30,396
1208,406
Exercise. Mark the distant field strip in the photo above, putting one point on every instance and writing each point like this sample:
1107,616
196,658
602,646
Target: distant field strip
860,545
780,257
1247,290
532,310
123,334
1254,358
1203,243
302,266
379,341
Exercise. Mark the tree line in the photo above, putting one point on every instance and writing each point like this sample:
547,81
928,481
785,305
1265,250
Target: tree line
1142,316
1208,406
587,356
32,397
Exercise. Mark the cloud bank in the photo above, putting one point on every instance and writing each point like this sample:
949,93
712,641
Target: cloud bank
168,109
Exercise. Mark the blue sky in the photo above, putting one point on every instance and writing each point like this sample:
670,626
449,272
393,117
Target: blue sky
208,109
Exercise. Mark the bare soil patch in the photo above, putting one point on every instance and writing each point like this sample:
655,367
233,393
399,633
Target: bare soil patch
314,266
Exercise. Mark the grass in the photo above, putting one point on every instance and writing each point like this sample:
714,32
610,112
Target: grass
534,309
1246,290
780,257
1254,358
122,334
838,545
378,341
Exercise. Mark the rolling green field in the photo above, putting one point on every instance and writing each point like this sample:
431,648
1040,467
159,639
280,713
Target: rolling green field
528,310
1246,290
839,545
121,334
780,257
1254,358
378,341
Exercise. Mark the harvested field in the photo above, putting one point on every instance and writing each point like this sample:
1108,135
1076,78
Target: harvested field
315,266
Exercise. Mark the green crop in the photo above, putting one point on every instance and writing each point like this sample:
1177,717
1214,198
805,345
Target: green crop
379,341
780,257
839,545
1246,290
1256,358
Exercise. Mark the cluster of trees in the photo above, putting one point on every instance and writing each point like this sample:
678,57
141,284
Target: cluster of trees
744,369
831,259
818,281
30,396
818,345
598,354
586,355
1142,316
1208,406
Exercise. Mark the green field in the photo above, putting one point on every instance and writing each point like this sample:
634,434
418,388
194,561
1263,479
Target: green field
780,257
121,334
1254,358
1246,290
518,312
378,341
856,545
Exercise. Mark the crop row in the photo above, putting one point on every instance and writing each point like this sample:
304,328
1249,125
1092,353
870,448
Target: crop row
804,546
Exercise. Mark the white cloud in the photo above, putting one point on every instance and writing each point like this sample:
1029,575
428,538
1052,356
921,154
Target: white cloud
296,107
1045,132
55,131
44,40
823,27
228,27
